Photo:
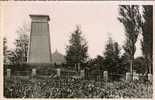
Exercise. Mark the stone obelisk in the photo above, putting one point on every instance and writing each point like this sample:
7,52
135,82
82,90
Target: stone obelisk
39,45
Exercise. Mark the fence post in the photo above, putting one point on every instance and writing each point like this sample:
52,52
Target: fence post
8,74
75,67
128,76
58,72
78,67
105,75
82,73
34,72
134,75
150,77
137,76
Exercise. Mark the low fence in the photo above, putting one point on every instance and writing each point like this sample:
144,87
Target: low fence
82,74
39,72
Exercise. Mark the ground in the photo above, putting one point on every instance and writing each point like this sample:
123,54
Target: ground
57,87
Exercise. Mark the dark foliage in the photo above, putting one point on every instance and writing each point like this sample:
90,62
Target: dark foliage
147,32
130,17
76,51
19,54
74,88
112,61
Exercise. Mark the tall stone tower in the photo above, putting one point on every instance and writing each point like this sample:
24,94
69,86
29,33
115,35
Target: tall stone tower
39,46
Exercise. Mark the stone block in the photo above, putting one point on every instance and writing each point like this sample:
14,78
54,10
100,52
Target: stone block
150,77
8,73
58,72
128,76
82,73
105,76
34,72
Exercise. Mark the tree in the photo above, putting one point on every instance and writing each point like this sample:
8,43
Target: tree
19,54
125,62
5,51
108,54
140,65
130,17
147,32
112,57
76,51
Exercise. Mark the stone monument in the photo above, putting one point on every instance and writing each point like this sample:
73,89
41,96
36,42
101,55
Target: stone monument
39,45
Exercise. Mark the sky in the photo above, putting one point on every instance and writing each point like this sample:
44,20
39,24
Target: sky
98,21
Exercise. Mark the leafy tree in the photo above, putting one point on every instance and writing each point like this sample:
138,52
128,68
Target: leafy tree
95,65
109,49
140,65
112,57
125,63
4,46
99,62
147,32
19,54
130,17
5,51
76,51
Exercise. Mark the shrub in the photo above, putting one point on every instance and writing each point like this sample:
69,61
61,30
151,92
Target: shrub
57,87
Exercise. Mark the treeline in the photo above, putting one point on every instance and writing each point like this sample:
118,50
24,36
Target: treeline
135,23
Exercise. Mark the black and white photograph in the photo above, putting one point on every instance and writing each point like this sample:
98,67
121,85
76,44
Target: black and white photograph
77,49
